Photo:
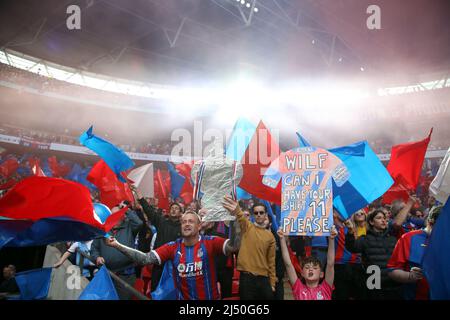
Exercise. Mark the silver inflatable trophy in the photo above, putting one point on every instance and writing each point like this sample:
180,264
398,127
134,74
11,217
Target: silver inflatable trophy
218,177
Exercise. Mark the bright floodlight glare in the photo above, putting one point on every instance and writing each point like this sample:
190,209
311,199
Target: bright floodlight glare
244,97
242,1
362,69
248,5
255,9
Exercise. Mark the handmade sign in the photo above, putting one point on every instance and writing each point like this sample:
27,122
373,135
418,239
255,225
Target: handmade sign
215,177
307,195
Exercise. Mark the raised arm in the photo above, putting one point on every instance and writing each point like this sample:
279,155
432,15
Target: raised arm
229,204
235,238
329,272
290,270
400,218
351,243
135,255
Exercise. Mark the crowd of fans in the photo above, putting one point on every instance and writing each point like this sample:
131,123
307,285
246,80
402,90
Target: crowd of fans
45,84
157,146
256,259
259,259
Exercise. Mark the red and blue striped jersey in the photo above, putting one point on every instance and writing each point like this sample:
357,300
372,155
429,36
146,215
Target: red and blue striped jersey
342,255
408,253
194,267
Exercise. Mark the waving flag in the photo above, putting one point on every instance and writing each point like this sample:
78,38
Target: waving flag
436,260
162,189
368,180
59,170
112,191
256,149
440,186
34,284
8,184
187,190
35,166
302,142
405,166
240,139
101,287
275,221
176,181
41,210
142,178
114,157
79,175
9,167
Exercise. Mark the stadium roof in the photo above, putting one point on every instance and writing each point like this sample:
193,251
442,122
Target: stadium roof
185,41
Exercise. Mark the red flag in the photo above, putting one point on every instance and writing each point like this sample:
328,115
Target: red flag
35,166
405,166
162,189
186,192
9,167
261,151
36,198
58,170
112,191
9,184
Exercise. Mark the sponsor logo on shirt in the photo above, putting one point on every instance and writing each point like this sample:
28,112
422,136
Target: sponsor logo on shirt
319,295
191,269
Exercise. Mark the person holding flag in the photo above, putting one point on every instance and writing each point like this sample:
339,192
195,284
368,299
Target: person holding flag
192,255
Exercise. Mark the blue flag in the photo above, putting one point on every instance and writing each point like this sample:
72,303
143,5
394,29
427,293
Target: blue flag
239,139
100,288
114,157
302,142
79,175
176,181
436,259
34,284
242,194
275,224
368,180
166,287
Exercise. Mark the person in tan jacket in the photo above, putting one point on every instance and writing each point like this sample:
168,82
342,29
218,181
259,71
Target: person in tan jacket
256,259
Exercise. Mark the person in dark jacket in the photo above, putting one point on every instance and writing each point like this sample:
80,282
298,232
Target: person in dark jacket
224,264
376,248
125,231
168,229
9,284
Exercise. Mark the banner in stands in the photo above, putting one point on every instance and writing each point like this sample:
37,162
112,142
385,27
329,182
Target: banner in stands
29,142
9,139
